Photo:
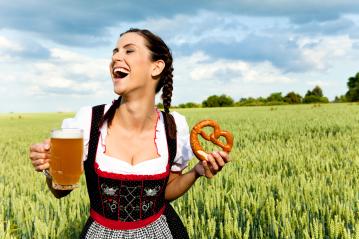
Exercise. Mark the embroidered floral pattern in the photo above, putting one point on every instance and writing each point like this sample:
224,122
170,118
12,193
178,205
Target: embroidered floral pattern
152,191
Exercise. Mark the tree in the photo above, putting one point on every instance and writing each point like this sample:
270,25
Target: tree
315,96
276,97
340,99
353,88
160,105
315,99
189,105
317,91
293,98
218,101
250,101
225,100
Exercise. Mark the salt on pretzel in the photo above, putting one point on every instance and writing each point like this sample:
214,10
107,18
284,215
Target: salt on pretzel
213,137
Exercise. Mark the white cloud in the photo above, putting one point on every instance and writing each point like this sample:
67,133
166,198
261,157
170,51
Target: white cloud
64,73
321,53
214,53
320,83
6,44
183,29
198,76
231,70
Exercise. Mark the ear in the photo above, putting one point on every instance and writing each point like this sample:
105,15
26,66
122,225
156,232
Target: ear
157,68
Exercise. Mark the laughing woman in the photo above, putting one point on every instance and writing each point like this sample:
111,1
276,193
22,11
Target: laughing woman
135,152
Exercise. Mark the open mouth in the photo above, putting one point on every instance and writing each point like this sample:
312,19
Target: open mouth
119,72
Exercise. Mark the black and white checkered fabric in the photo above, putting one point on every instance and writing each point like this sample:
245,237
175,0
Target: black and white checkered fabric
158,229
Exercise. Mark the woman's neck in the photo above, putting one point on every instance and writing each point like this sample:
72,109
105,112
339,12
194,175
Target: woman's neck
136,115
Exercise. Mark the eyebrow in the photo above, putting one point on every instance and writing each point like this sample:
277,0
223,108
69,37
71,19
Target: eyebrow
127,45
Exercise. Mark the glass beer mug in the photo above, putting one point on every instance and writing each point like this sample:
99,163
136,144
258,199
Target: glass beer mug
66,164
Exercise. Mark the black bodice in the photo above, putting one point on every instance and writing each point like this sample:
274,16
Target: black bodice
127,200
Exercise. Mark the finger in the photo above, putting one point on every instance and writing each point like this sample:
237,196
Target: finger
212,163
42,167
225,156
36,155
38,162
37,148
207,170
219,159
47,144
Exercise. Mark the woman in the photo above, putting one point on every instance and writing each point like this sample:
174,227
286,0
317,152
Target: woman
136,153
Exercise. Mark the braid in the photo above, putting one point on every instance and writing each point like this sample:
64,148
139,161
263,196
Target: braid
167,89
111,112
167,97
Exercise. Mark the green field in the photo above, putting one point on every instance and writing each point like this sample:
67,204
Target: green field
294,175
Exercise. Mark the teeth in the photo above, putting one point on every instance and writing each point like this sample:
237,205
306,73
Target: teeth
120,72
120,69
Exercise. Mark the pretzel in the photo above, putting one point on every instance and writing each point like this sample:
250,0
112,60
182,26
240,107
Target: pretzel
213,137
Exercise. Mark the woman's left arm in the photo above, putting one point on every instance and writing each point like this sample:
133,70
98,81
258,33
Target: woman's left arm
179,183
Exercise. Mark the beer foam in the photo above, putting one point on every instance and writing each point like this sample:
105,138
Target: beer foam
67,134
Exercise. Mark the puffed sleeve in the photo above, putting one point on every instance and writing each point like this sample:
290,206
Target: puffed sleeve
82,120
184,150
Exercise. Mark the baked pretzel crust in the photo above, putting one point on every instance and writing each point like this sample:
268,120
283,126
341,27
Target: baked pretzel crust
213,137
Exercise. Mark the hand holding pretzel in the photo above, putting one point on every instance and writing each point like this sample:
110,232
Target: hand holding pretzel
210,163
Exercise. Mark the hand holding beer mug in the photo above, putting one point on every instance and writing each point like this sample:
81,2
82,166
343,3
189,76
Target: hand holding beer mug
66,152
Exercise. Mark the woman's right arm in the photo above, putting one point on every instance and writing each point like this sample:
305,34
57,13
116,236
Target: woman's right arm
40,158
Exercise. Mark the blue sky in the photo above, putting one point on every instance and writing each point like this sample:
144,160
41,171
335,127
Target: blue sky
54,55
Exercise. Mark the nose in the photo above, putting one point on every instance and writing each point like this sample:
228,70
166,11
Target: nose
118,56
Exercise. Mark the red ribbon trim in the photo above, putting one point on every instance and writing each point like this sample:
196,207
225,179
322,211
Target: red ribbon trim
119,225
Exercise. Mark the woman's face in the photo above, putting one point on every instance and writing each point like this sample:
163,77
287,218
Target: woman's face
131,66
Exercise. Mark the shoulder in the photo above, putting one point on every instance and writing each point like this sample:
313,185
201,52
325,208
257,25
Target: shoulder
181,125
181,121
82,118
86,111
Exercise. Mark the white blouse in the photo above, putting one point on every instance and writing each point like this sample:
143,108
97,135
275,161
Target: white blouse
158,165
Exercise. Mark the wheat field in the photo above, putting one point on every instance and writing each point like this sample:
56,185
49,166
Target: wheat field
294,174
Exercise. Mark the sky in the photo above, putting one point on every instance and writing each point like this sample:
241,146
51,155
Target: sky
54,55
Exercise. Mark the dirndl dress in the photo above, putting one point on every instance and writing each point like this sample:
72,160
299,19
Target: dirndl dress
128,206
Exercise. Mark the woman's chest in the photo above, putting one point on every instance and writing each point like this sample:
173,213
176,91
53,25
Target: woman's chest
131,149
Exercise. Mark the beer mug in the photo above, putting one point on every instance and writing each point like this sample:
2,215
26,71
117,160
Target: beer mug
66,164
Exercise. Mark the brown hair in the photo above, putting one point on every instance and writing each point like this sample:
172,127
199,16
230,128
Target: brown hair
159,51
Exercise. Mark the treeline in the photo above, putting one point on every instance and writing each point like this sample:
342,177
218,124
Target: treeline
312,96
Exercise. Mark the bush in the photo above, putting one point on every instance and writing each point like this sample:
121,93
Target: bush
218,101
189,105
275,97
340,99
315,99
293,98
160,105
353,88
315,96
276,103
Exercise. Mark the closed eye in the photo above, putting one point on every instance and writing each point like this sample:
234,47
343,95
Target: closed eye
129,51
114,51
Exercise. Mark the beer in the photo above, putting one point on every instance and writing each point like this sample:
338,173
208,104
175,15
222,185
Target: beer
66,152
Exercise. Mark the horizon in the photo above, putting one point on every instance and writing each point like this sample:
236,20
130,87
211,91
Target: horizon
175,107
58,62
